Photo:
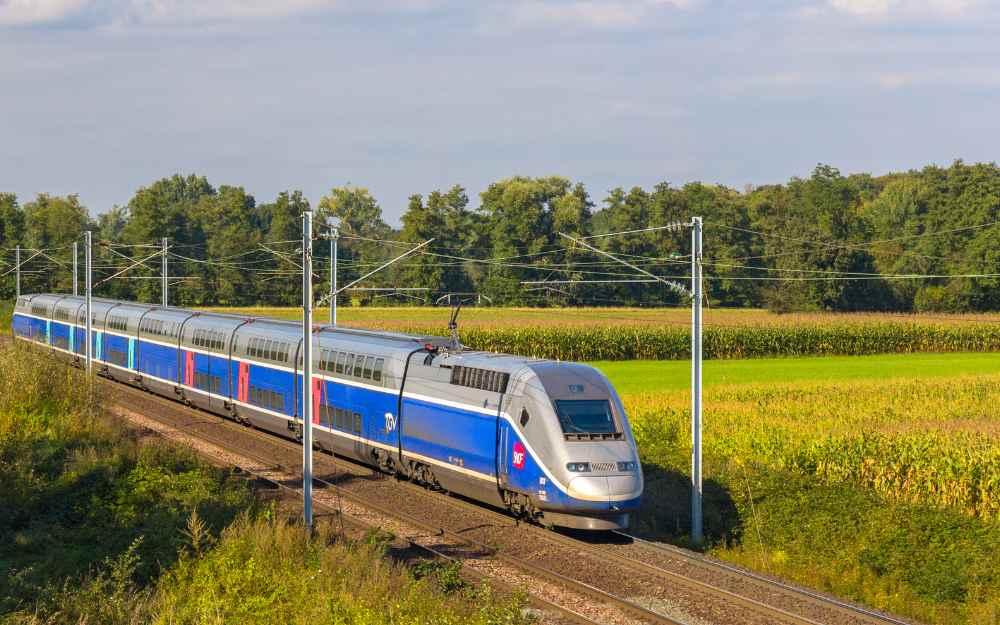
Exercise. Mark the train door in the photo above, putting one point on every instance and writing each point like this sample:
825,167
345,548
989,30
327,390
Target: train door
317,398
243,383
131,353
503,443
188,368
216,374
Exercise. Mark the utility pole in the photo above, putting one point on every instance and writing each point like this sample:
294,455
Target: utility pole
17,270
696,285
76,254
333,275
163,243
307,399
88,287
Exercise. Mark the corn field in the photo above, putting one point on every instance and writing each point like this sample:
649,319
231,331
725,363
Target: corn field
664,334
917,441
672,343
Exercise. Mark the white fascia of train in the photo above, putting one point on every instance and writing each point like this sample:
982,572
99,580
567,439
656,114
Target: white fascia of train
543,439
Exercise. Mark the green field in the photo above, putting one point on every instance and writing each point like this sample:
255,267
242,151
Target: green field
650,376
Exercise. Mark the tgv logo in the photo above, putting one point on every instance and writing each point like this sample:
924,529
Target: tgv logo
518,456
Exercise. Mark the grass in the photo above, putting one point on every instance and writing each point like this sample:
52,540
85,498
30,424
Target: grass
652,376
100,526
875,478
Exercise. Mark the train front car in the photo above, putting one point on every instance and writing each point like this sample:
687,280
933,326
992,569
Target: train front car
568,455
549,441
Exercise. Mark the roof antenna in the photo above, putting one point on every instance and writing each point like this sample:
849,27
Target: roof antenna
453,326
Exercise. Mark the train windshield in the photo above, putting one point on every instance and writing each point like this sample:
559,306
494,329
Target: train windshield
585,416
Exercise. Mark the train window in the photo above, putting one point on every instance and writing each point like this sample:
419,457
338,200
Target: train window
269,349
357,423
483,379
341,359
585,416
525,417
369,361
377,369
359,363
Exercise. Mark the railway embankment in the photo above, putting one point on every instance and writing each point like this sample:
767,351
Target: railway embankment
100,523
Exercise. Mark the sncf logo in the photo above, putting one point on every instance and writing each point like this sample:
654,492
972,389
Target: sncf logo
518,457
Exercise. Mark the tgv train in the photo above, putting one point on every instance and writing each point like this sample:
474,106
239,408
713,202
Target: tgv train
546,440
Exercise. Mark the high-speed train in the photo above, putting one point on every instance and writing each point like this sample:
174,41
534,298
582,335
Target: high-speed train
548,441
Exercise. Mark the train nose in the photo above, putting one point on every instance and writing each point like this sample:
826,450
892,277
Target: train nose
611,488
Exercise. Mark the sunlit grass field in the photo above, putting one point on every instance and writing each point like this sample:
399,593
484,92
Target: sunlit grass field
874,477
655,376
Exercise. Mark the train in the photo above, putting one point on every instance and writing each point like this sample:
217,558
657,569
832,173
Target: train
548,441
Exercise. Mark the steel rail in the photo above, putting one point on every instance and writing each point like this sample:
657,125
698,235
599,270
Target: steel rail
710,563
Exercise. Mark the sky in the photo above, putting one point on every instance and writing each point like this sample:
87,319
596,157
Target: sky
100,98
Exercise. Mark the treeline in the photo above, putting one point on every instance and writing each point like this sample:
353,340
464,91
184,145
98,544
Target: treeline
904,241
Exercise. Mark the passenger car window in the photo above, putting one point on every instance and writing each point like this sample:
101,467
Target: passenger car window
359,362
377,370
369,361
341,359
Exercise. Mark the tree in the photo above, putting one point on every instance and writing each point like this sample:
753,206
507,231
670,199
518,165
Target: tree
11,235
361,227
52,224
281,223
519,212
169,208
231,229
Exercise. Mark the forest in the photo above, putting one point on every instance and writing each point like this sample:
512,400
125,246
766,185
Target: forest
921,240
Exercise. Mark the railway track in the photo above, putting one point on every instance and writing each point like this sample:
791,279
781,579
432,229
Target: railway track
681,575
562,614
460,548
769,600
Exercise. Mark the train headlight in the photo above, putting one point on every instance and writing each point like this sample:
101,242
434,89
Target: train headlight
578,467
627,466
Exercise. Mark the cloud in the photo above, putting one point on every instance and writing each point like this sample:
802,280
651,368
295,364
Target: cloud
17,12
591,13
867,8
38,12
